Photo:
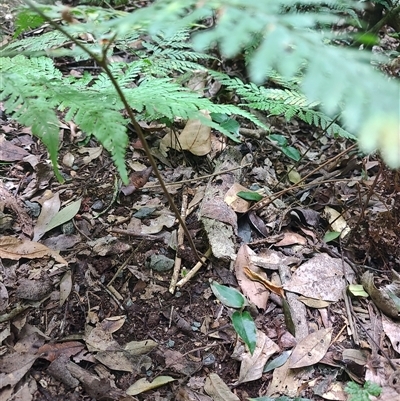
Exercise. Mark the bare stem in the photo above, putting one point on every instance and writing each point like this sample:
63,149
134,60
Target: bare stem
102,62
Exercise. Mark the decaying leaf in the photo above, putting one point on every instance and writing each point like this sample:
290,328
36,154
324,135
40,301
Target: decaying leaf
266,283
252,365
15,249
216,388
253,290
321,277
311,349
143,385
336,221
380,296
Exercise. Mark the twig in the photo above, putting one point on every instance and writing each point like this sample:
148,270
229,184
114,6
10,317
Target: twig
195,269
180,237
137,235
269,199
101,61
393,366
122,267
203,177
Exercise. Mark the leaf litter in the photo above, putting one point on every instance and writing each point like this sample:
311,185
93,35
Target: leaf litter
86,309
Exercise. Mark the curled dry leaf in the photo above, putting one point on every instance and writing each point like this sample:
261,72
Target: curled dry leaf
266,283
253,290
381,296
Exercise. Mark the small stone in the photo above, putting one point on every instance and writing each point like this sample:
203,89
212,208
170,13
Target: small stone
160,263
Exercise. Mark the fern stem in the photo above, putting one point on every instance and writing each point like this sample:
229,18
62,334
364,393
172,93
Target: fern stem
102,62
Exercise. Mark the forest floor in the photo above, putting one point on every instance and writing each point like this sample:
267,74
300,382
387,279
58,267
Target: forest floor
89,306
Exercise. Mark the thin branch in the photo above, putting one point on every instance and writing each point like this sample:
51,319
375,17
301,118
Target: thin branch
103,63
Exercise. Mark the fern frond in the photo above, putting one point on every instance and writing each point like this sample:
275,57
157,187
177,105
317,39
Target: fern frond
285,102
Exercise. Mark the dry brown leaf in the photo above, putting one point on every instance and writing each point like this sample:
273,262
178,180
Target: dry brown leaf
266,283
51,352
311,349
217,389
196,136
252,365
239,205
253,290
10,152
15,249
65,287
291,238
143,385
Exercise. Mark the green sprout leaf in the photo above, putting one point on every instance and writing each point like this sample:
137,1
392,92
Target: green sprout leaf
331,235
291,152
280,139
244,325
228,296
229,124
358,393
249,196
64,215
357,290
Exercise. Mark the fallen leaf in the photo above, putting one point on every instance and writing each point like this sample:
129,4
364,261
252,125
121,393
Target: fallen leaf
140,347
311,349
15,249
266,283
239,205
336,221
122,361
51,352
253,290
321,277
93,153
252,365
391,329
64,215
380,296
216,388
50,208
143,385
65,287
196,136
10,152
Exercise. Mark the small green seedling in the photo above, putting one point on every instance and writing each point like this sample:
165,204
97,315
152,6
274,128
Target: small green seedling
358,393
242,321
